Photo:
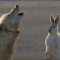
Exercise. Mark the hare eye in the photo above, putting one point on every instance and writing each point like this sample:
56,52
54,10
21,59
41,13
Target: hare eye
53,26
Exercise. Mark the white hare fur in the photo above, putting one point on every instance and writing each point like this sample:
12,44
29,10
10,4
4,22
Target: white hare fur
9,23
52,41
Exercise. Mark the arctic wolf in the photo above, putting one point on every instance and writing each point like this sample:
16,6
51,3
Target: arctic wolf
9,23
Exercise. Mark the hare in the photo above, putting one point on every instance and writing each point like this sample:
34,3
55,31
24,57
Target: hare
9,23
52,41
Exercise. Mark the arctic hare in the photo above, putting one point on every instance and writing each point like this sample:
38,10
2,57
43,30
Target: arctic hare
9,23
52,41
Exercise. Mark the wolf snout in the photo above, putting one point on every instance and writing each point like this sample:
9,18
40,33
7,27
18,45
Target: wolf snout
16,6
21,12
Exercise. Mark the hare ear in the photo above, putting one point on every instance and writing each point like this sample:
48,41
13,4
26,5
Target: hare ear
57,19
52,19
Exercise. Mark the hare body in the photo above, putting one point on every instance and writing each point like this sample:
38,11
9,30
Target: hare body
53,46
52,43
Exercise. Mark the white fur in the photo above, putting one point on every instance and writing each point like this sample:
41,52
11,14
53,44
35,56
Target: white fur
10,22
52,44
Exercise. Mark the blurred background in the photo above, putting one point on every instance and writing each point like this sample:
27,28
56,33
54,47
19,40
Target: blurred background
34,26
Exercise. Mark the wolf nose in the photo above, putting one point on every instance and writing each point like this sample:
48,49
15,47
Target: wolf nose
16,6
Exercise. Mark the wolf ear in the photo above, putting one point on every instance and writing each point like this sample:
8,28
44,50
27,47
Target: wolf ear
52,19
57,19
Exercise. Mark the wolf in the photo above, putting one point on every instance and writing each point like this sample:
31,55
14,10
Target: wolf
9,23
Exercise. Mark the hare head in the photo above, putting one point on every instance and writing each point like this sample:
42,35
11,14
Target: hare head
54,25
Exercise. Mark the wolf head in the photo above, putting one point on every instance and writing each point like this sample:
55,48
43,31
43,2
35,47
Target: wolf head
10,20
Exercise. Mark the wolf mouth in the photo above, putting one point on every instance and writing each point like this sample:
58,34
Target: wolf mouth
20,13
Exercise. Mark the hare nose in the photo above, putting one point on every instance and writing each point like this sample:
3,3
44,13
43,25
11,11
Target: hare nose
50,30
